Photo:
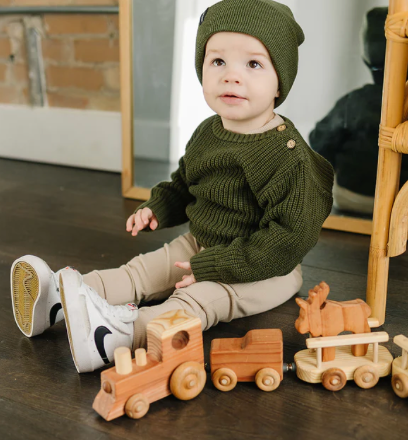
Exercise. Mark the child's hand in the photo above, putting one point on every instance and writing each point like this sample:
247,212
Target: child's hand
142,218
187,279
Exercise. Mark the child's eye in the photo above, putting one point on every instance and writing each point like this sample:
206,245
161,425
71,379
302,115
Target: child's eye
252,62
255,62
216,60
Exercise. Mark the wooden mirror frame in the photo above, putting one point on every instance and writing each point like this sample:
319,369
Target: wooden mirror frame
129,190
348,224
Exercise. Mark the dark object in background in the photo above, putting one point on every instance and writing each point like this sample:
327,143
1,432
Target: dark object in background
348,136
374,42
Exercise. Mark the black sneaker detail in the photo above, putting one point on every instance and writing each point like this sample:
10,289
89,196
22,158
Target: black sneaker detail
53,312
100,334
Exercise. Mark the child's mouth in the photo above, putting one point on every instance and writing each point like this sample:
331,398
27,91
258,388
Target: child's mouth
231,99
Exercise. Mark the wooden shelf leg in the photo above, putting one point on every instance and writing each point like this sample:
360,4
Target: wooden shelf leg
388,171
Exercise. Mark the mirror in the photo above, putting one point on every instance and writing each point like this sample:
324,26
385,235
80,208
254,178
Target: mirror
162,100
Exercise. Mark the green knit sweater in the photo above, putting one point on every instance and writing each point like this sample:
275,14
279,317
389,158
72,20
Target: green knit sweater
256,202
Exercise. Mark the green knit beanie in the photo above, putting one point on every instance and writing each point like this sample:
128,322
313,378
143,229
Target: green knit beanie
269,21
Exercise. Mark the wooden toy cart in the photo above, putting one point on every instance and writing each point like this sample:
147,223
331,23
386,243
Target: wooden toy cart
173,364
399,379
255,357
365,370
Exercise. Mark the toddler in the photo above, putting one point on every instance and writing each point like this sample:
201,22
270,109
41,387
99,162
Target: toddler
255,196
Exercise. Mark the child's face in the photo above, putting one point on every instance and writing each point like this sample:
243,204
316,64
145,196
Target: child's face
231,67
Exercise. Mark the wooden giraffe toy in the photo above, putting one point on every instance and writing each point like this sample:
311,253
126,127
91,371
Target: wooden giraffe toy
322,317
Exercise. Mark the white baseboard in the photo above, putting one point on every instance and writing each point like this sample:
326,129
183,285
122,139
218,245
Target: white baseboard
81,138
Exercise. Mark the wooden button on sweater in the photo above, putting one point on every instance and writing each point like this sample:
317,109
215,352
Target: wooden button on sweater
291,144
281,127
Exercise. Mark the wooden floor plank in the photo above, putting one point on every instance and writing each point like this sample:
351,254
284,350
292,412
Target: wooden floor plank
77,217
19,421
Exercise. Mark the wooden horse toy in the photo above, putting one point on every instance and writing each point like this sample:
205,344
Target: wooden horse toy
322,317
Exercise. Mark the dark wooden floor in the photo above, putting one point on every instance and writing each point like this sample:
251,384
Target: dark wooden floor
77,217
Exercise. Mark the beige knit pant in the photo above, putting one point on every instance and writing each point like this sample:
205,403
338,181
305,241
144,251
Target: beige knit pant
153,276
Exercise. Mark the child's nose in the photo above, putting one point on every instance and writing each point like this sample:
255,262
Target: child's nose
232,76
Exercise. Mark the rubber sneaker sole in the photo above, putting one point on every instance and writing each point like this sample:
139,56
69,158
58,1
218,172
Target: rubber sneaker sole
70,284
29,292
25,289
67,320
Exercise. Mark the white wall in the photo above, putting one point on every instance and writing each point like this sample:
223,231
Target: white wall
86,139
189,108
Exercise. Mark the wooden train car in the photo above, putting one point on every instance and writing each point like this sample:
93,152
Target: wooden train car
399,379
365,370
173,364
258,356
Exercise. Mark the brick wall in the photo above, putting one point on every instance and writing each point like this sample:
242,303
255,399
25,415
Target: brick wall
80,54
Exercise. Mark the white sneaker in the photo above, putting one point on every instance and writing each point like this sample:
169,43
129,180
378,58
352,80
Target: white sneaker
94,327
35,295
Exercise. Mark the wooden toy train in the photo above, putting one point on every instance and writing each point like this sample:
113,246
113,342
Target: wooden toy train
173,364
174,361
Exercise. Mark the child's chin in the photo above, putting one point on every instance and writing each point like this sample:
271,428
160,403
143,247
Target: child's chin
232,115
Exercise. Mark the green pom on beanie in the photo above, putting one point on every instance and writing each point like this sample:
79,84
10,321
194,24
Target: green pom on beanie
269,21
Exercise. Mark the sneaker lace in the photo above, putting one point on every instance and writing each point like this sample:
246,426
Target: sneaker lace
123,313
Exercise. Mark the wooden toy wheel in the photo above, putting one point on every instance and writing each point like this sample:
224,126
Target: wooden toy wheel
188,380
334,379
400,384
366,376
224,379
267,379
137,406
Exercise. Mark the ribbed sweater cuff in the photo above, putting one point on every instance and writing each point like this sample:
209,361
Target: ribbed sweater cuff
204,267
159,209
